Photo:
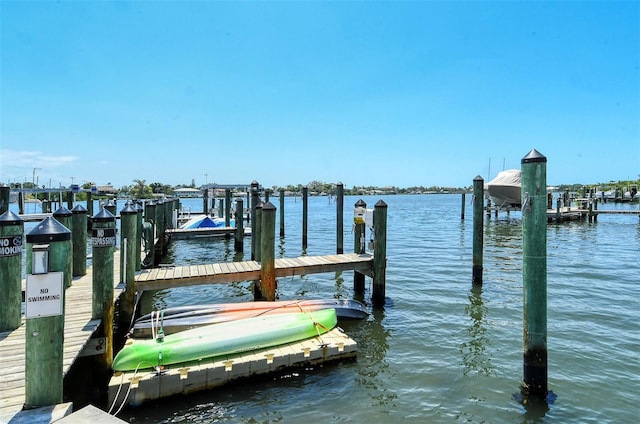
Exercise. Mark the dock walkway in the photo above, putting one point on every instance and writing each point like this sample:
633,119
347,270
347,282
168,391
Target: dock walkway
191,275
78,329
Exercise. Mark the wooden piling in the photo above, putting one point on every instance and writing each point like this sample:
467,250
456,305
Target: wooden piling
258,226
5,198
150,218
534,270
139,231
281,213
227,209
45,335
305,215
11,245
379,253
255,198
129,250
268,287
239,235
478,230
360,207
79,240
463,206
339,218
103,241
205,201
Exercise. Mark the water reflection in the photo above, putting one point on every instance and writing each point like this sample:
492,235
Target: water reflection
474,351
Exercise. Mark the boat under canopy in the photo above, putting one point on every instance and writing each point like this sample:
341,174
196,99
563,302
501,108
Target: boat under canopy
506,188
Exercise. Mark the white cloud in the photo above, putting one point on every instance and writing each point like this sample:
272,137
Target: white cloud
29,159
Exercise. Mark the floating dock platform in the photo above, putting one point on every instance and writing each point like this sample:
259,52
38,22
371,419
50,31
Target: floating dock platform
134,388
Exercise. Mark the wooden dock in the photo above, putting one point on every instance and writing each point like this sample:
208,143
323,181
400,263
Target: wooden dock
191,275
134,388
78,330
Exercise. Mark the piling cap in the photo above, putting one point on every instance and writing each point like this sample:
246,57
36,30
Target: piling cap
129,210
478,178
103,216
268,206
360,204
534,156
78,209
9,218
49,230
62,212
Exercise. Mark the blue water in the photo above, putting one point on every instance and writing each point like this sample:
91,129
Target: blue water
440,350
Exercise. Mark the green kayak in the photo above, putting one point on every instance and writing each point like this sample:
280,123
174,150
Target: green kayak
225,338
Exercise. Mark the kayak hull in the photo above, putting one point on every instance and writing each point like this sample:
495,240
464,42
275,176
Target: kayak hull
226,338
181,318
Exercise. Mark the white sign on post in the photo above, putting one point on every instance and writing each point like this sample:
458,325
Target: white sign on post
43,295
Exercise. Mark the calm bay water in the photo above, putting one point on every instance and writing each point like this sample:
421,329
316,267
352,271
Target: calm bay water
440,350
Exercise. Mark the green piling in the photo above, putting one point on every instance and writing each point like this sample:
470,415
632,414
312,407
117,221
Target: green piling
339,218
139,230
103,242
227,210
128,252
255,199
379,253
267,287
258,226
359,243
305,215
478,230
534,271
11,244
150,218
44,335
281,213
239,234
5,198
79,240
65,217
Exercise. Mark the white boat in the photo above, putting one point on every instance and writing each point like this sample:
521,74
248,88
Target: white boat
505,189
204,221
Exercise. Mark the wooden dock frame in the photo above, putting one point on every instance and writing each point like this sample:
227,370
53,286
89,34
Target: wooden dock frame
134,388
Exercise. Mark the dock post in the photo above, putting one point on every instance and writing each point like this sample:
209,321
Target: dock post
79,240
161,226
339,218
281,213
255,198
379,252
89,205
534,271
103,241
227,209
478,230
267,285
595,208
221,204
464,195
360,227
150,245
44,335
205,201
238,245
69,200
5,198
11,230
267,192
305,215
64,216
111,207
20,203
129,250
139,230
258,236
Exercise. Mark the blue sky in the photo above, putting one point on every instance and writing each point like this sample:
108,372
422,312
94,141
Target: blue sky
365,93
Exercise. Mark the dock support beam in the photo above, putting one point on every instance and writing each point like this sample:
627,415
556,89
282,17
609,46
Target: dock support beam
478,230
534,271
11,230
379,253
267,287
